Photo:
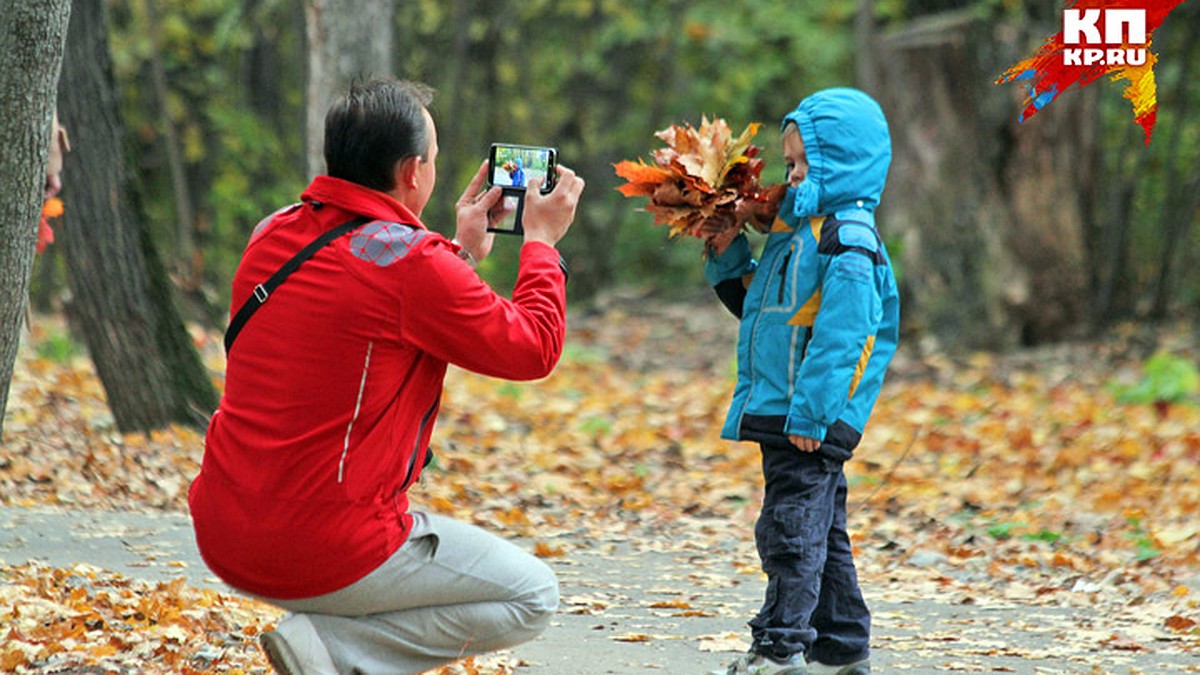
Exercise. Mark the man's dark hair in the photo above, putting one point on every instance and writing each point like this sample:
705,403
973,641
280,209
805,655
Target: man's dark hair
374,125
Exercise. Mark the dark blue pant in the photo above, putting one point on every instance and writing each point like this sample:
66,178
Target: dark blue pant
813,605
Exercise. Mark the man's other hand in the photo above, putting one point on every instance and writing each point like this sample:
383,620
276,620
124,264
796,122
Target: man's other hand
475,210
548,217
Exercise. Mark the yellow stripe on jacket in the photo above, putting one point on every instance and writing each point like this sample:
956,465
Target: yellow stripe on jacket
862,364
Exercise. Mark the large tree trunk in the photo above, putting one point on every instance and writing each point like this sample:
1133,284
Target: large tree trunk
990,240
31,55
122,299
346,39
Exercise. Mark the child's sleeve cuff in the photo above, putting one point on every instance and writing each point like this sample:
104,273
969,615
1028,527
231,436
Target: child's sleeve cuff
735,262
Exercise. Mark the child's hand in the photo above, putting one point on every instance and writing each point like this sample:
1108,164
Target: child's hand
760,213
804,443
717,243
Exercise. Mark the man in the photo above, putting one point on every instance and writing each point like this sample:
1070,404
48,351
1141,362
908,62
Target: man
332,389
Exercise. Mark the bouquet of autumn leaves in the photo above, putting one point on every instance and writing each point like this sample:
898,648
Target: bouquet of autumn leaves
704,182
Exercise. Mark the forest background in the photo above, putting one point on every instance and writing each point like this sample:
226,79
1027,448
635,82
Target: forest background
1005,234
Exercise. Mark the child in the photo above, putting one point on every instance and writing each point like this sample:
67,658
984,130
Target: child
819,324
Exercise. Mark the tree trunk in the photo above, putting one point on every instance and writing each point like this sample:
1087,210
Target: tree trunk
866,64
31,56
185,217
1178,209
989,244
346,39
143,354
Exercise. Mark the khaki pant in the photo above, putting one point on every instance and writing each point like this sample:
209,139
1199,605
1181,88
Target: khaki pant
452,591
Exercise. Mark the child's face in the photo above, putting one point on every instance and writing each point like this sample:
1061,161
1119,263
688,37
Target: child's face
793,154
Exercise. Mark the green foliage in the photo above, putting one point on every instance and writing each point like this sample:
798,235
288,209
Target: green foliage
595,78
234,99
510,390
575,352
1165,378
1145,546
57,347
1004,530
596,426
1048,536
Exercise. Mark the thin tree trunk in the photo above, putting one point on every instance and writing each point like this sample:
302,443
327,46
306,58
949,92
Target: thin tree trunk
31,55
1178,206
1114,298
185,216
866,69
144,356
458,134
346,39
1092,179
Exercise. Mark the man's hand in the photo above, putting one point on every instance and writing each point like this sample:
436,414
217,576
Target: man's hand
804,443
475,210
548,217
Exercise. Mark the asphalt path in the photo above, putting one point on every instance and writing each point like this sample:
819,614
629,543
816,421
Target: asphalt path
631,610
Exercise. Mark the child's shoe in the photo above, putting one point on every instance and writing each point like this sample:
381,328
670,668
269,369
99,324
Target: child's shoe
759,664
857,668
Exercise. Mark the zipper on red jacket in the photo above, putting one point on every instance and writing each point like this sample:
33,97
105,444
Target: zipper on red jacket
416,454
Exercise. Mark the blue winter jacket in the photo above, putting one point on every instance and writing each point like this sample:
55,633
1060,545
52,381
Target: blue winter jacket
820,311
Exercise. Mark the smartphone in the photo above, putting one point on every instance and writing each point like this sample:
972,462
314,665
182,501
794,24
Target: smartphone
513,167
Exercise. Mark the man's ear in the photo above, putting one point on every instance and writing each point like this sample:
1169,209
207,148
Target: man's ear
405,173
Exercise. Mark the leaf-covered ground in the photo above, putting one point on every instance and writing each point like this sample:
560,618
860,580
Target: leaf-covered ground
981,479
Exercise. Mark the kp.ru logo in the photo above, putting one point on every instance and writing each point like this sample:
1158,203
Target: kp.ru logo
1122,29
1099,38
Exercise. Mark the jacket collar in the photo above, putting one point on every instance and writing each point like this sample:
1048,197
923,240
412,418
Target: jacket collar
359,199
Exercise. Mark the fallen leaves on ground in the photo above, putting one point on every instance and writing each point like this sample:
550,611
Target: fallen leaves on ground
61,620
981,480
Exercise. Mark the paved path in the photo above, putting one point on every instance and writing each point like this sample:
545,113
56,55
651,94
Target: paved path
656,612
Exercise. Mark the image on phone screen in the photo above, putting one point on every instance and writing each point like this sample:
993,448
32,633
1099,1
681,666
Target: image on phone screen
515,166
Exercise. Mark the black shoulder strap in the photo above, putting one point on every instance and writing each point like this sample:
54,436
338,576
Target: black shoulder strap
265,289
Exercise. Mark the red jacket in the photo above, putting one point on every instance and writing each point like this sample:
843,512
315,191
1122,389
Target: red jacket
333,386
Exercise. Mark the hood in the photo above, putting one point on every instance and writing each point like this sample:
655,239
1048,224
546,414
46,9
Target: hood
849,150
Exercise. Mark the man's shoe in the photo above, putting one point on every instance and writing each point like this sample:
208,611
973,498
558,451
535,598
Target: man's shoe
294,648
759,664
857,668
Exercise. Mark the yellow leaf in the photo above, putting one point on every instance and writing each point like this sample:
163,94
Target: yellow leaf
544,550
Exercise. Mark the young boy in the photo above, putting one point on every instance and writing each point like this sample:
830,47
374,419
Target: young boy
819,324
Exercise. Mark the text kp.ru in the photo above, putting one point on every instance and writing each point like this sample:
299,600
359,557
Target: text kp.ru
1123,27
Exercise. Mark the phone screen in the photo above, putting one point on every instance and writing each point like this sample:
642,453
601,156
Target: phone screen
515,166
